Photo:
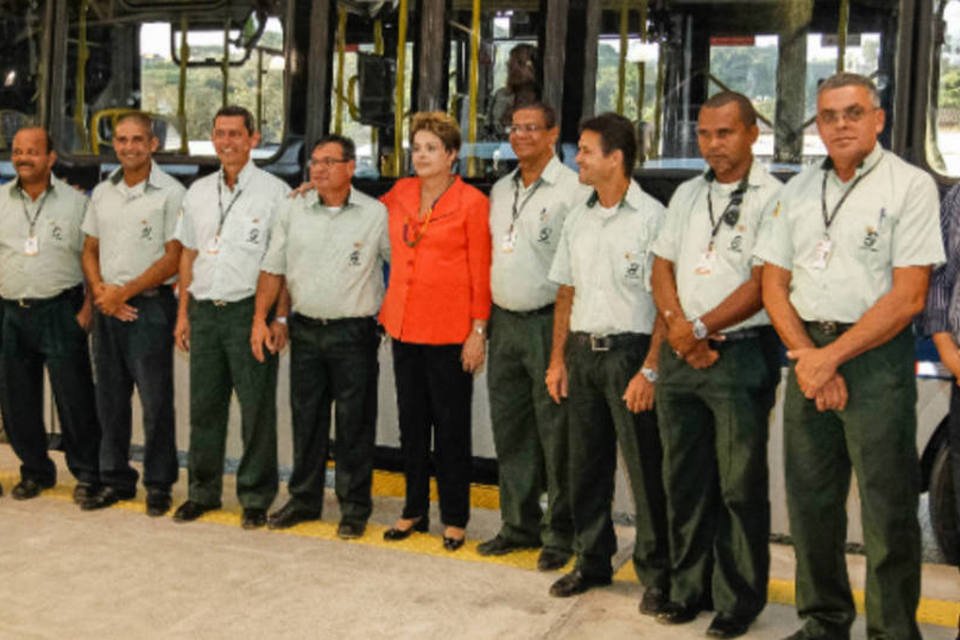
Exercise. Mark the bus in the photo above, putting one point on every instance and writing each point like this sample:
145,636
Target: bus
361,67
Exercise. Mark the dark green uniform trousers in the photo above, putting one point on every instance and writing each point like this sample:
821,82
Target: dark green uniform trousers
876,435
599,421
529,431
714,425
221,362
333,363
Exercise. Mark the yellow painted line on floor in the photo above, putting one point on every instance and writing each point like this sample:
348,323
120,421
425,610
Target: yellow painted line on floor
930,611
943,613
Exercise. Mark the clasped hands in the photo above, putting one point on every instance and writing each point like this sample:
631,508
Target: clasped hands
818,378
696,353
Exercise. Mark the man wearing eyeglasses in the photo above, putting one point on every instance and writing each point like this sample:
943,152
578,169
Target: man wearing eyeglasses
527,210
718,374
328,248
847,254
224,229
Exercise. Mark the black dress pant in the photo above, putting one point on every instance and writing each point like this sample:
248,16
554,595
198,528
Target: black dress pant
433,399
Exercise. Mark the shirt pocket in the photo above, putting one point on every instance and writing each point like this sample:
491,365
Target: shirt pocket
630,264
870,238
149,229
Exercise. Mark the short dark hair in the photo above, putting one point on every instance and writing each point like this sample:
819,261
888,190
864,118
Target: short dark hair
616,133
847,79
548,112
347,146
140,117
748,114
235,110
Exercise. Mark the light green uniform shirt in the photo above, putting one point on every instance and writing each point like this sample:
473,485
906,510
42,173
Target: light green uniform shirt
523,249
889,220
229,272
132,224
59,240
332,257
685,238
605,255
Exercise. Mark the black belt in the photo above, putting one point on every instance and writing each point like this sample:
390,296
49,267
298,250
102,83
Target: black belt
609,342
162,289
828,327
542,311
328,322
28,303
739,334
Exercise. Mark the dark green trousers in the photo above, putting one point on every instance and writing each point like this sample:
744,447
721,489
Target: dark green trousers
876,435
220,363
714,425
599,421
334,364
529,431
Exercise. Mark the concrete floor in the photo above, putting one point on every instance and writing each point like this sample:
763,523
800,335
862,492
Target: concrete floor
120,574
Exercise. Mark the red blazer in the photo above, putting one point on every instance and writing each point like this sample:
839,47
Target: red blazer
441,285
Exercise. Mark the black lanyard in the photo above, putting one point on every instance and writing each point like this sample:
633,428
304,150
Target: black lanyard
828,219
517,210
36,216
224,214
731,213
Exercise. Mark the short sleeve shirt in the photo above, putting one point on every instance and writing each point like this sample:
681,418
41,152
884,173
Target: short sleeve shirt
229,270
685,240
132,224
606,256
890,219
55,265
332,257
525,226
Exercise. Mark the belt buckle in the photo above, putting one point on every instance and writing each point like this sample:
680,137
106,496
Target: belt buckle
219,303
23,303
829,327
599,343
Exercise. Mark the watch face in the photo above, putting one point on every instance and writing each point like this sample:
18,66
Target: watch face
699,329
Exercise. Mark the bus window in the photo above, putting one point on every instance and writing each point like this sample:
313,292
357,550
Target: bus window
641,61
116,62
24,61
945,112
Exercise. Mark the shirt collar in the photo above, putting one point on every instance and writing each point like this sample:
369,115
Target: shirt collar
867,164
15,185
346,203
243,177
549,174
631,199
117,176
754,176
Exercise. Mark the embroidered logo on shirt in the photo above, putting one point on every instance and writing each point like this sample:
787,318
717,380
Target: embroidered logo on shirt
254,236
355,255
870,239
57,233
633,266
146,232
736,243
544,236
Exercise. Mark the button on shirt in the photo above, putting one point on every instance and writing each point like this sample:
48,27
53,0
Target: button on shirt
132,224
229,273
685,237
332,257
523,250
889,220
605,255
56,264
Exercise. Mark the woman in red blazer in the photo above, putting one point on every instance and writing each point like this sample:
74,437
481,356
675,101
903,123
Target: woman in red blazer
436,309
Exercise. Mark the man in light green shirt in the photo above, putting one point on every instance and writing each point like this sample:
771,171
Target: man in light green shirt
130,258
329,248
45,320
847,253
718,374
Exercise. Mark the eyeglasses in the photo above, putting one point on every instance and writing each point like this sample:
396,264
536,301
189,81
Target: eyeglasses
326,162
850,114
525,128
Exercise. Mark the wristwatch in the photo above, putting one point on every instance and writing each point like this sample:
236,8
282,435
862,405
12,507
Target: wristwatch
281,319
699,329
650,374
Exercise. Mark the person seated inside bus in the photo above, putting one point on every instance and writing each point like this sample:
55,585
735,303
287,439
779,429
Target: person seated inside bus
522,88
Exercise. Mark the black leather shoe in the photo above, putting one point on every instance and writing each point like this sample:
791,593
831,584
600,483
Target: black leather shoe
106,497
84,491
675,613
394,534
158,502
452,544
654,601
501,546
27,489
253,518
574,583
289,515
729,625
552,559
348,530
190,511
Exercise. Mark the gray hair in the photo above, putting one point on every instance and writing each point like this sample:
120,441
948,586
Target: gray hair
846,79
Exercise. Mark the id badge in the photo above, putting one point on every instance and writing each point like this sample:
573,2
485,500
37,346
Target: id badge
214,245
822,253
705,265
31,246
509,241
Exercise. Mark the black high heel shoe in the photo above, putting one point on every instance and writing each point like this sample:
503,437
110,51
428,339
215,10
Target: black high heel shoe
452,544
394,534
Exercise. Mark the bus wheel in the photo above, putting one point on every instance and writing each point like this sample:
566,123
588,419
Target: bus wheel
943,506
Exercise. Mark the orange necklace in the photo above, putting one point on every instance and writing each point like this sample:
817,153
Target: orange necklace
408,223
